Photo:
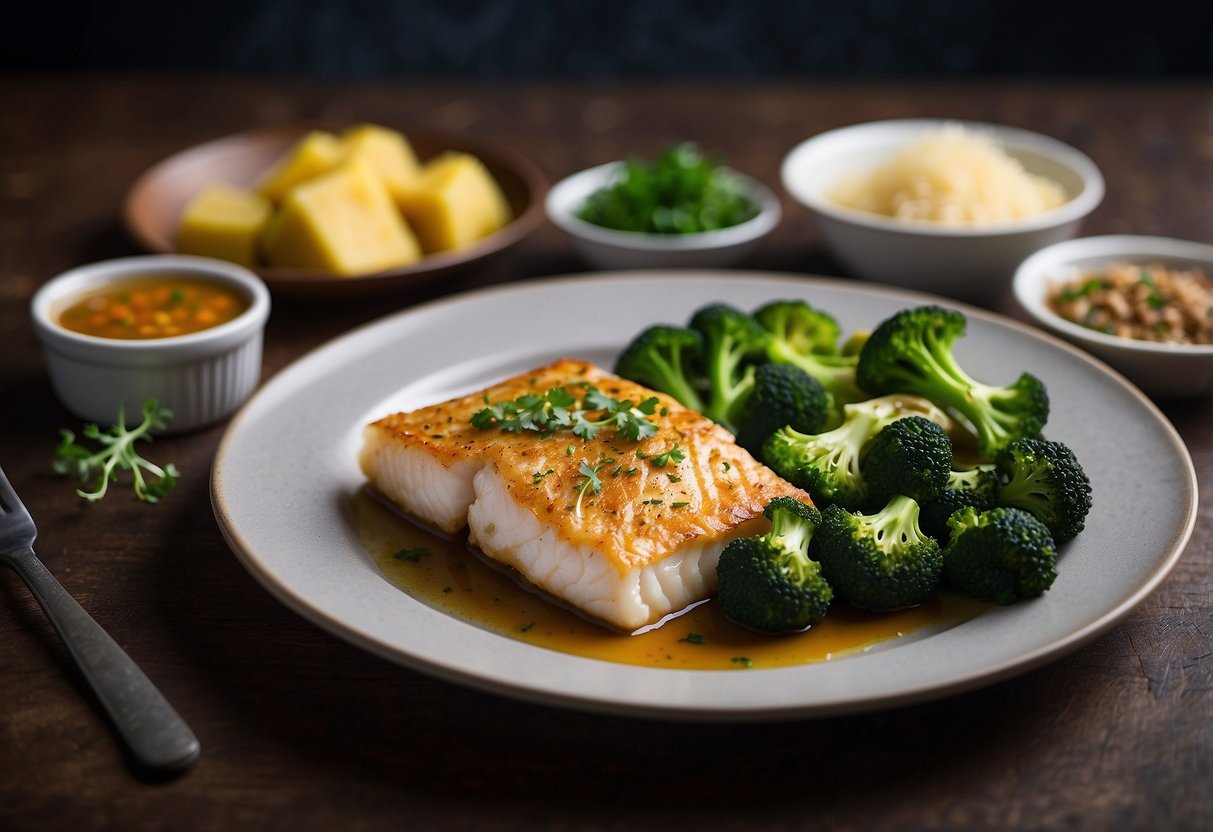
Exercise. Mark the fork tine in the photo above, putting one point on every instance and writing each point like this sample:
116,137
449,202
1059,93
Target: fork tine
16,525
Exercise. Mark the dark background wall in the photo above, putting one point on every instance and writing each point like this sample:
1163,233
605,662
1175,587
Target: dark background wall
589,40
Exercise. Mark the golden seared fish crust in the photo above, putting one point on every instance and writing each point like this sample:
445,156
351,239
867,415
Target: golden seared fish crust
643,546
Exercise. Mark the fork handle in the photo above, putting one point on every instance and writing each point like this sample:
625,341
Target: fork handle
156,735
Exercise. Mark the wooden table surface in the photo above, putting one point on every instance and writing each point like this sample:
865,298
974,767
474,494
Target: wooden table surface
303,731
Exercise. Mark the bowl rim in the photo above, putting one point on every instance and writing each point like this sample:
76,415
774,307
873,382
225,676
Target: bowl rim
192,345
572,190
1013,138
1032,276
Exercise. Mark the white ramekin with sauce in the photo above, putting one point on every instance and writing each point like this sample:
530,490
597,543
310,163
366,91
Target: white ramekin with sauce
202,375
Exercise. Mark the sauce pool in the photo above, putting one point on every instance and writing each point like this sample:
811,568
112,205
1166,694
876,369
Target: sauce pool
155,306
446,575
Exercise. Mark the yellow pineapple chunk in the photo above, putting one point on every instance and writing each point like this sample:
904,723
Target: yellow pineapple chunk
343,222
224,222
314,154
388,152
456,203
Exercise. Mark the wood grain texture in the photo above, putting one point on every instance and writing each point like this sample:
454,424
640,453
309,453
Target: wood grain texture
302,731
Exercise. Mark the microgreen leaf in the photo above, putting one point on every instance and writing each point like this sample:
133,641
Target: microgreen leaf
117,453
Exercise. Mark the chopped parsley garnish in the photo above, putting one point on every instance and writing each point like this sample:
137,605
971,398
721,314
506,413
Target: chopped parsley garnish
693,638
591,483
664,458
629,419
682,192
742,660
558,408
413,555
530,411
679,504
1088,287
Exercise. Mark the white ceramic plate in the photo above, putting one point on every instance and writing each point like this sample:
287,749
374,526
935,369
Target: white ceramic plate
286,472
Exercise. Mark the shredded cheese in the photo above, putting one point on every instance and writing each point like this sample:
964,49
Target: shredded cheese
954,177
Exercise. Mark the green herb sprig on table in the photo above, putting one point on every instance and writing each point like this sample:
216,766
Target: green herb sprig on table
682,192
117,453
558,408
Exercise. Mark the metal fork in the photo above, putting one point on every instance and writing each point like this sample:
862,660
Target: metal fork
157,737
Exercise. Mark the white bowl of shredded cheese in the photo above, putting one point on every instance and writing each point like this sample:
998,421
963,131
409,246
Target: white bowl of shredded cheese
945,207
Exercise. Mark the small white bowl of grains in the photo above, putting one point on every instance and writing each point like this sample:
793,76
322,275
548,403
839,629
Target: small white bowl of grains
1144,305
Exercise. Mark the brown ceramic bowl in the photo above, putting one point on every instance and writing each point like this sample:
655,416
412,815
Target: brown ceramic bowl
155,203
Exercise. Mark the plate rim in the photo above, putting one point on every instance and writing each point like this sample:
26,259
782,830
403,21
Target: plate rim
1170,553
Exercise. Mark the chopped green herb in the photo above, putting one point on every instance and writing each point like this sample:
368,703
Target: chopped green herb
448,589
530,411
1155,302
591,483
693,638
742,660
679,504
538,476
558,408
413,555
663,459
629,419
682,192
673,478
526,627
1088,287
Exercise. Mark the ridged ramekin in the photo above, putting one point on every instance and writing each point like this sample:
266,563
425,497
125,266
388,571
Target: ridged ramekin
202,377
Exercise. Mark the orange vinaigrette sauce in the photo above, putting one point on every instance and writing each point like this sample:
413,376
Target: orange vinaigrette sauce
155,306
445,574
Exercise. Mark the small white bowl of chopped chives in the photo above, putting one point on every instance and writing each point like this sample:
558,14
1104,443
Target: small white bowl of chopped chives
681,210
1144,305
941,206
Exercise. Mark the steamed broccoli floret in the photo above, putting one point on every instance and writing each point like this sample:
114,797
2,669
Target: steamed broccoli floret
808,338
976,487
911,352
768,583
1045,479
665,358
1000,555
827,464
732,340
783,396
912,456
880,561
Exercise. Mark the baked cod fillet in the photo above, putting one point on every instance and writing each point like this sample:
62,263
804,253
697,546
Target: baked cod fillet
641,547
